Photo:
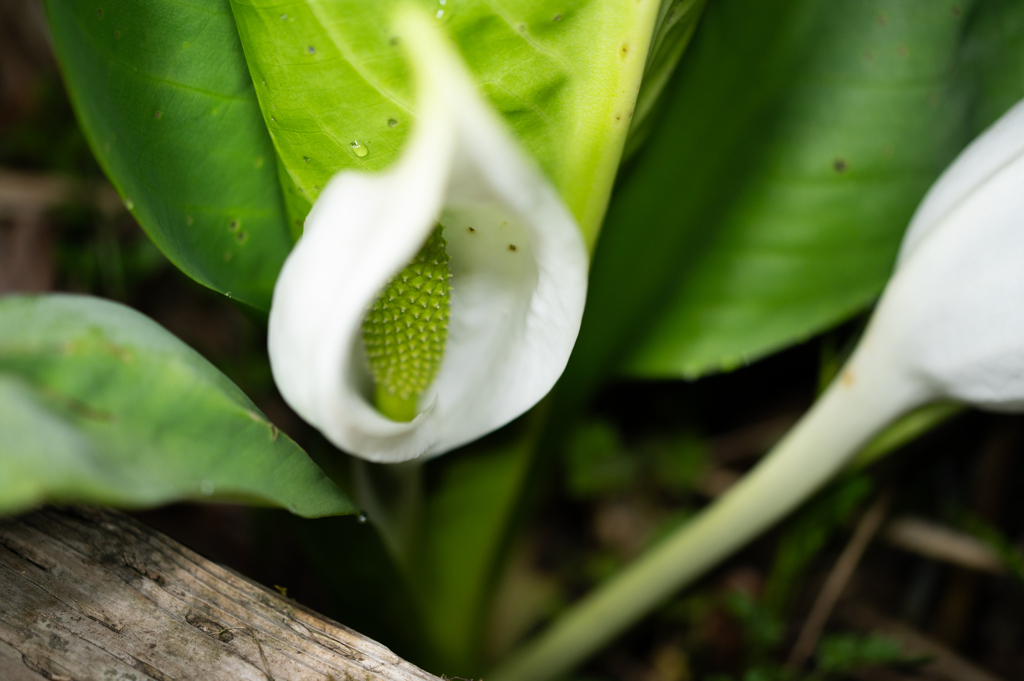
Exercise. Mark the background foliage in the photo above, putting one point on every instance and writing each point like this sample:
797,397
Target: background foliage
760,208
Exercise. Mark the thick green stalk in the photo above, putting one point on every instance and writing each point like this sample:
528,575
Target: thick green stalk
391,496
849,413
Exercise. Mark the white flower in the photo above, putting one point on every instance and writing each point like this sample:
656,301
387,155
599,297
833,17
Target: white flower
950,324
518,264
951,320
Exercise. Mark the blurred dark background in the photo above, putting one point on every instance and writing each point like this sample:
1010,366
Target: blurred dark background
632,470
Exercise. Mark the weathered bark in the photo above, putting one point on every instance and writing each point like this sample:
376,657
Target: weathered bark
93,594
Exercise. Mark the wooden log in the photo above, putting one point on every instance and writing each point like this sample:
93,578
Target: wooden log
93,594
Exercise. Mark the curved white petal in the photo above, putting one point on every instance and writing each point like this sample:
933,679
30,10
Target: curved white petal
983,159
952,316
519,276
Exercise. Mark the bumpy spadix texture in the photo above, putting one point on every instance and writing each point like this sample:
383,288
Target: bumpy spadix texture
518,262
406,330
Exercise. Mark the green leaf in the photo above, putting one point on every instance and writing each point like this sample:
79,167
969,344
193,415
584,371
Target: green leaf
334,83
797,140
468,516
905,430
163,94
673,30
99,404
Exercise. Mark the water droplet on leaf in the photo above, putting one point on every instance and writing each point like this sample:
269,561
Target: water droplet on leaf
358,149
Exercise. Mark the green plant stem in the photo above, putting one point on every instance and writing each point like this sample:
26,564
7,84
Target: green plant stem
391,495
849,413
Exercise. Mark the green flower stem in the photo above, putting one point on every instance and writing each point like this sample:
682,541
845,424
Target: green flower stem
853,409
391,497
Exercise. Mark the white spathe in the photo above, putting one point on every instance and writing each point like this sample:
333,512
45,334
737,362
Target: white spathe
950,324
519,275
951,319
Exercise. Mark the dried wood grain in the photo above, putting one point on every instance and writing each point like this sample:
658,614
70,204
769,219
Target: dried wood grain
93,594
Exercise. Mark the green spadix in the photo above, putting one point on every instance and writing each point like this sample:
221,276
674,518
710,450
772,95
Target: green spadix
406,330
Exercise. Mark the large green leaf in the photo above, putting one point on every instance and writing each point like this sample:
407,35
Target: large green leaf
798,138
163,94
468,518
334,82
99,404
